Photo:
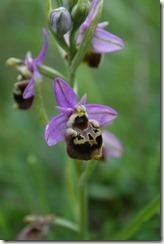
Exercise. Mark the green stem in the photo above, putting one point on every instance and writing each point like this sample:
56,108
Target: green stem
83,199
83,211
39,104
59,2
72,79
71,182
72,53
50,72
77,167
66,224
72,45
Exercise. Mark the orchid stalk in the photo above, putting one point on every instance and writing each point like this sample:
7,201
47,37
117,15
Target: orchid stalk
77,123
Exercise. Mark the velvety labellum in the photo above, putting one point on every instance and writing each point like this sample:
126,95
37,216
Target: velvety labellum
83,139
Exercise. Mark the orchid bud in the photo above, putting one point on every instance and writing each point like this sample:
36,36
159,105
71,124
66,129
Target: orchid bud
80,12
60,20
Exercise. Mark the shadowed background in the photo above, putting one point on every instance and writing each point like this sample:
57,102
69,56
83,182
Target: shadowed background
32,175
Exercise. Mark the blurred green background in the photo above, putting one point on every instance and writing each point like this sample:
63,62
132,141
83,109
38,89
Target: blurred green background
32,175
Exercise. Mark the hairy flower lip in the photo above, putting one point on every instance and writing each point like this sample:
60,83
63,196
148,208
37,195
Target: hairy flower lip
67,101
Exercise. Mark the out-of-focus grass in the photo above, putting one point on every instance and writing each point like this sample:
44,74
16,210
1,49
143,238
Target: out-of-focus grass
32,175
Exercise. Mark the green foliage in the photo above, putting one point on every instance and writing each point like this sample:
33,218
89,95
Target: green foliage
33,176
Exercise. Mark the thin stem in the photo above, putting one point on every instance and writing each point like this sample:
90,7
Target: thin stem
50,72
83,199
83,211
77,167
72,45
39,104
72,79
66,224
72,53
71,183
59,2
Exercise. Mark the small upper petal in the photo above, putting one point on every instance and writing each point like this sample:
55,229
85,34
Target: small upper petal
104,42
102,24
55,128
102,114
65,96
83,100
66,37
67,111
28,61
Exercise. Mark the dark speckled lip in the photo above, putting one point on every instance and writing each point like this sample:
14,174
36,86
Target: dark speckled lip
85,142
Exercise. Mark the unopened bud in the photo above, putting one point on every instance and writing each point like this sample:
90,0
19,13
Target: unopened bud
61,21
80,12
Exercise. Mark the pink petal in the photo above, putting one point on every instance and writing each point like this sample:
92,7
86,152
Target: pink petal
28,61
55,128
95,4
67,111
83,100
65,96
29,90
66,37
102,114
112,145
43,52
102,24
104,42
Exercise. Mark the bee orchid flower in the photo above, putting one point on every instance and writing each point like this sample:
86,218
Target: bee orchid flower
32,66
28,70
78,123
102,41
